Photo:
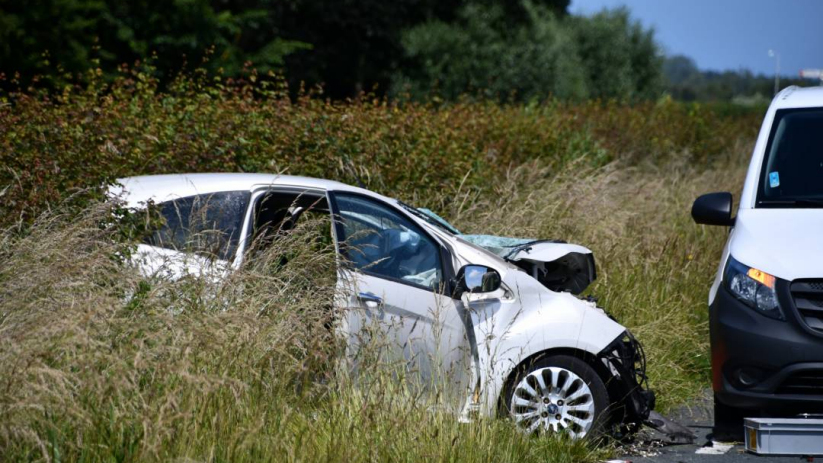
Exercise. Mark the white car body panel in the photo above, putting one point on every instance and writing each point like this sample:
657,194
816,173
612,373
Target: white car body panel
514,323
424,328
534,320
548,252
153,261
158,188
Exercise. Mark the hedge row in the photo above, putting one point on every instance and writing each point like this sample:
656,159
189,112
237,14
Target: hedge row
54,144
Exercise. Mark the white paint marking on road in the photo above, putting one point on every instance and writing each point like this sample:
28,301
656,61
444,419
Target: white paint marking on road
717,448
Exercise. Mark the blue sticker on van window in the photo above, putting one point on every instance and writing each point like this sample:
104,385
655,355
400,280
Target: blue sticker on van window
774,179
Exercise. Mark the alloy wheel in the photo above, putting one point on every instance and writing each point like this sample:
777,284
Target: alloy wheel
553,399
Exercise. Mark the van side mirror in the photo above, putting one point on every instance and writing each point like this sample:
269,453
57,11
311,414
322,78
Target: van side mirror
713,209
477,279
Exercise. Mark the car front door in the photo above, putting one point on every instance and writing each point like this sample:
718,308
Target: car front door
395,283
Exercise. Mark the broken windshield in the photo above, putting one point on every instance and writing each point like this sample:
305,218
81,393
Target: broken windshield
430,217
500,245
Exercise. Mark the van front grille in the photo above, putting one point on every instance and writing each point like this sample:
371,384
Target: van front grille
808,299
808,382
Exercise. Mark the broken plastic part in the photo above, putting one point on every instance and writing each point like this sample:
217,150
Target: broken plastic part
676,433
559,266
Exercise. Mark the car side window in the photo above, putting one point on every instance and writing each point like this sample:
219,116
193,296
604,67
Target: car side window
204,224
382,242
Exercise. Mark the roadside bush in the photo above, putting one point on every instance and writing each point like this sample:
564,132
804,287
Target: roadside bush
51,145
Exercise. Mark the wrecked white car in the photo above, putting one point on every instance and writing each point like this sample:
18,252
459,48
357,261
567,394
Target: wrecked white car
502,316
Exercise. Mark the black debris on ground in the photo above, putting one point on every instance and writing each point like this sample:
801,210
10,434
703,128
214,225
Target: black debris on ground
651,446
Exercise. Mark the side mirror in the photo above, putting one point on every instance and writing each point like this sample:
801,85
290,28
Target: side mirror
713,209
477,279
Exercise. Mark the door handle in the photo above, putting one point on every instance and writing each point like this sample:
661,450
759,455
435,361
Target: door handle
371,300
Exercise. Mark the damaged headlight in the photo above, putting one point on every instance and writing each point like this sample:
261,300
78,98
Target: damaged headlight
753,287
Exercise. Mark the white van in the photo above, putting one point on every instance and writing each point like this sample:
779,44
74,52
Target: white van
766,303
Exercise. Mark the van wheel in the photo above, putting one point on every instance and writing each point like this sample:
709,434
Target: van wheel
558,394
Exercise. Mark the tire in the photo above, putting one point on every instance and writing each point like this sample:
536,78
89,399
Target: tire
728,422
574,399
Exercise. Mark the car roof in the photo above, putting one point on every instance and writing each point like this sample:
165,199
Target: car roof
799,97
158,188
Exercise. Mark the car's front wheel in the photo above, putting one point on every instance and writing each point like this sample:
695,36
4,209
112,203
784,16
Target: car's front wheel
559,393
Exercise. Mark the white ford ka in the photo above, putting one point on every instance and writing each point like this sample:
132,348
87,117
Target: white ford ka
501,315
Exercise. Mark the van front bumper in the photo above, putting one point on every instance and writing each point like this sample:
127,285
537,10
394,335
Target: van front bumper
775,366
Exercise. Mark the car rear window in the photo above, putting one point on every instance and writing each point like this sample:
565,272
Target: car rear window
204,224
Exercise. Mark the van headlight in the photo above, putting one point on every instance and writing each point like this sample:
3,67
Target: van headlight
753,287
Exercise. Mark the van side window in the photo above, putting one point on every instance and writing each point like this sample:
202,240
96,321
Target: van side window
204,224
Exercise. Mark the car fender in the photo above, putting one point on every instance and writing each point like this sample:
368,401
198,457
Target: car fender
528,319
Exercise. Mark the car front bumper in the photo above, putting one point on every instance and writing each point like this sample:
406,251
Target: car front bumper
625,359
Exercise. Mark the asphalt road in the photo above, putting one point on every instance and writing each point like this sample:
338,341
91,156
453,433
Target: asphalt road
650,448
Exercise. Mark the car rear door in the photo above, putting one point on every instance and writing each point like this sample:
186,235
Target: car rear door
198,235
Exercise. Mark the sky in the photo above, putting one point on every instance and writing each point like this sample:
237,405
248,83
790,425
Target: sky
731,34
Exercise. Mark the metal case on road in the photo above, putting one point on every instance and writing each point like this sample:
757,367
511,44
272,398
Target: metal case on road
784,436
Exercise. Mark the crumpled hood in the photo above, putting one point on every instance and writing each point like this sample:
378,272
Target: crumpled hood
787,243
559,266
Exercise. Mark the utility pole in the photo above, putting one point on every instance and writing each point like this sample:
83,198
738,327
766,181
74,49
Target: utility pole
776,56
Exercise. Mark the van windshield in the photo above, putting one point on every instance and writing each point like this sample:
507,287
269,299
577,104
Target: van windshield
792,172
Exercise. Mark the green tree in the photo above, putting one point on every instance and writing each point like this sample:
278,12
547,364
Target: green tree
684,81
621,58
34,35
346,45
355,43
606,56
52,37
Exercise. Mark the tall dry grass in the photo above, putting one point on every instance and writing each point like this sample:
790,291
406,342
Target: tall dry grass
101,363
